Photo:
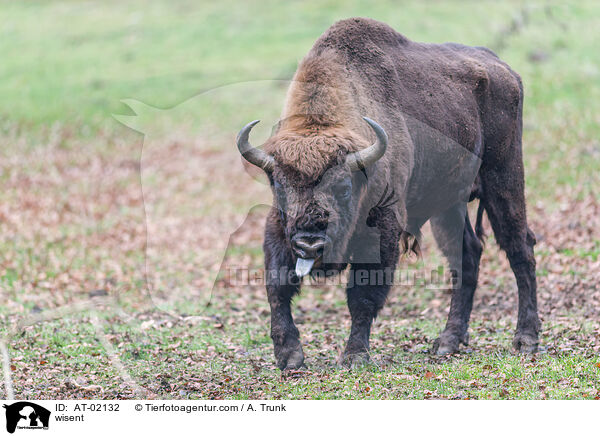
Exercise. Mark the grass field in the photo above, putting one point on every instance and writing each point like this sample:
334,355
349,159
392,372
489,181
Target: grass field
108,255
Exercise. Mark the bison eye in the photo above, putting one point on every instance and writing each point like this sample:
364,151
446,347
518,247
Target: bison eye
343,192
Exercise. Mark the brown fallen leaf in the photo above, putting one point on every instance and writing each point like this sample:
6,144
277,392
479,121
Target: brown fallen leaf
72,384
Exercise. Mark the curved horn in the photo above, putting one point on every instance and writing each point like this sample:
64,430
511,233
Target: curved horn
253,155
359,160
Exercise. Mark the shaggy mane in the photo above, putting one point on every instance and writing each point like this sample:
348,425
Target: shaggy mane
311,152
317,124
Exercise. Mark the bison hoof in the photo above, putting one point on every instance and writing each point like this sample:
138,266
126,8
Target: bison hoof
448,343
290,357
354,360
526,343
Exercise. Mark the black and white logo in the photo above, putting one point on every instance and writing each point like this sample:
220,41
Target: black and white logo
26,415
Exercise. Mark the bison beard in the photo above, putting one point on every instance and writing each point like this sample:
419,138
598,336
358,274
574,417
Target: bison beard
453,116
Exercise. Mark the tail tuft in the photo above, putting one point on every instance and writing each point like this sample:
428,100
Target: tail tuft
410,244
479,223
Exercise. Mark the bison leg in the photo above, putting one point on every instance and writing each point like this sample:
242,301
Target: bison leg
457,240
504,202
282,285
284,333
368,286
364,302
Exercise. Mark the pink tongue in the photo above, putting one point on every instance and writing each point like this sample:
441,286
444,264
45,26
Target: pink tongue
303,266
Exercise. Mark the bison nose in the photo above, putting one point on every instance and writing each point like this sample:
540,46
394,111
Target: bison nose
308,247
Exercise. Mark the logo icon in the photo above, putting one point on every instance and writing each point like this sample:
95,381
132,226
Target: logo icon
26,415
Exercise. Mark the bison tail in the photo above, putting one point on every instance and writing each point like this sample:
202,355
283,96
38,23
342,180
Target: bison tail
479,223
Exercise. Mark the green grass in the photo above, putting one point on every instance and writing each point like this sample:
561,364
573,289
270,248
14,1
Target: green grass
80,62
192,361
65,68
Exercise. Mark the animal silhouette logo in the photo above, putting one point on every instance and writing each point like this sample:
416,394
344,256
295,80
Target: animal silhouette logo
26,415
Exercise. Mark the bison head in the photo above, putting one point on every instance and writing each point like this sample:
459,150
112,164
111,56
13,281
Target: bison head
318,212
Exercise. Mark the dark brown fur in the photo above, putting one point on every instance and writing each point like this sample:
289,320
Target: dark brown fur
447,108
